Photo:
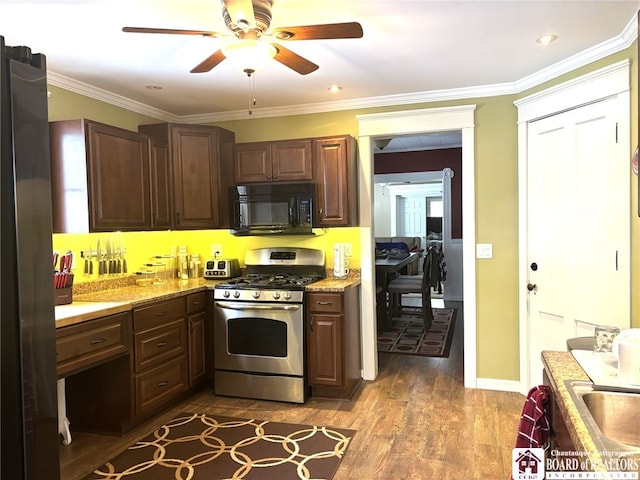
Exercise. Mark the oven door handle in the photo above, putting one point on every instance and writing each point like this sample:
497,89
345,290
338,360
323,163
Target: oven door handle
232,306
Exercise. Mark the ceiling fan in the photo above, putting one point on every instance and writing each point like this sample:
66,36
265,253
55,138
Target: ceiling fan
249,22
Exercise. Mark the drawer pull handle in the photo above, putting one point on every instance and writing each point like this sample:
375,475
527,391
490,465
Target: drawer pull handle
98,340
160,314
161,344
163,384
325,303
196,303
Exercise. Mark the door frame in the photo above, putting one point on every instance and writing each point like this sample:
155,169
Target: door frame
413,122
610,81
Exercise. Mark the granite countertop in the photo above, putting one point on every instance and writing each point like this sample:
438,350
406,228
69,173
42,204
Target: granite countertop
562,366
332,284
139,296
95,301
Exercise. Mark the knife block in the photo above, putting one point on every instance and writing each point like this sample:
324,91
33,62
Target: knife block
64,296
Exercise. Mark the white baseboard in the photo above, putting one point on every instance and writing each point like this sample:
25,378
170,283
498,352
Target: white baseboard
497,384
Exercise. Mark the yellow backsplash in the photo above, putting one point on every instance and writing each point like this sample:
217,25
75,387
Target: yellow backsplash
141,247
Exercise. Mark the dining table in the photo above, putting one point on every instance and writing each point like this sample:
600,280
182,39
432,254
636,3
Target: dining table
387,268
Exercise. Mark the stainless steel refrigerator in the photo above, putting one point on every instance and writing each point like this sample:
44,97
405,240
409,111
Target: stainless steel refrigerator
28,400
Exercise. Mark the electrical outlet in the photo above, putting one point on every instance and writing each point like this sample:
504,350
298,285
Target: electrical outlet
348,251
216,250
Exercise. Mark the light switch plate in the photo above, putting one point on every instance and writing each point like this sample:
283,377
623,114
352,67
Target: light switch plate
484,250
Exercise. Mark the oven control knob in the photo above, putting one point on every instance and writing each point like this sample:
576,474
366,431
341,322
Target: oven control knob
225,294
287,296
255,294
236,294
276,295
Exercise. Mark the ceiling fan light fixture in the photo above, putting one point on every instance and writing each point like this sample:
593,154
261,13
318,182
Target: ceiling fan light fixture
249,55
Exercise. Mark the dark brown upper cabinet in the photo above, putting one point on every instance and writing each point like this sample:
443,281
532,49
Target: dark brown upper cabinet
100,178
277,161
336,177
201,169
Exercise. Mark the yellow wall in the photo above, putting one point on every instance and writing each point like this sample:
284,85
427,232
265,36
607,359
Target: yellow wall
66,105
141,247
496,204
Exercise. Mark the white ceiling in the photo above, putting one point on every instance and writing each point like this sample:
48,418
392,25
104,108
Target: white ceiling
412,51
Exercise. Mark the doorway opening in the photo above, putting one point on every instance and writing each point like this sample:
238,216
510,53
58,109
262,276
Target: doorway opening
414,122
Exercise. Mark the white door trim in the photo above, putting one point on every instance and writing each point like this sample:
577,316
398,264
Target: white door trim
411,122
606,82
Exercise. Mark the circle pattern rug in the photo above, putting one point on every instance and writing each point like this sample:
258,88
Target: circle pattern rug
407,335
212,447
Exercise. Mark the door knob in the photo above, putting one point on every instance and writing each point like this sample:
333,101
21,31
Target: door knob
531,287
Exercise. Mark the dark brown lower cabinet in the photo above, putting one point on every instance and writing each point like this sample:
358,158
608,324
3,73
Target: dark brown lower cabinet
197,319
333,333
121,369
94,358
160,353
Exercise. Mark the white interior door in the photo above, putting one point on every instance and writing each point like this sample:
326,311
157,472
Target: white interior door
578,227
411,216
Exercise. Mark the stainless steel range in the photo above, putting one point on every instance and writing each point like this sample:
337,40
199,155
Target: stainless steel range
259,327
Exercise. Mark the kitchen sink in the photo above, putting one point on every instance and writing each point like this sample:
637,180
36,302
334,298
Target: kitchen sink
612,417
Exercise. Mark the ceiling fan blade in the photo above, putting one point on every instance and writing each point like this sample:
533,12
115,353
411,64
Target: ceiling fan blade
319,32
171,31
241,12
293,60
209,62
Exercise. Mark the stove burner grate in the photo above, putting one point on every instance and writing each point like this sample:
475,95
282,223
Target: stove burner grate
271,281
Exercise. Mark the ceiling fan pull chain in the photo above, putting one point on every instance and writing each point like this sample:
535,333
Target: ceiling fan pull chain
252,93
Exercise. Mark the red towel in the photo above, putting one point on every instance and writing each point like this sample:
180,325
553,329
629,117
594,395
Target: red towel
534,423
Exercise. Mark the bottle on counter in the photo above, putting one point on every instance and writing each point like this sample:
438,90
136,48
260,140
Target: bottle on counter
195,266
183,263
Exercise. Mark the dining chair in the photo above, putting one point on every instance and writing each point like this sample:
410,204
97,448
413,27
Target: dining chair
404,284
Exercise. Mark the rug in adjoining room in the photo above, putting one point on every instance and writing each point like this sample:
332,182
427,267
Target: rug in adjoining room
212,447
407,335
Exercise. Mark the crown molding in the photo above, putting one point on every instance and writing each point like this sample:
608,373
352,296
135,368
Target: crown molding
106,96
609,47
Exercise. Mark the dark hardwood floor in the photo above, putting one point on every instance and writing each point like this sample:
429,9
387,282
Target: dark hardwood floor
415,421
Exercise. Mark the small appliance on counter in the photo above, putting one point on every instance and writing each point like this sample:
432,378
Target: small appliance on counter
627,349
218,268
340,261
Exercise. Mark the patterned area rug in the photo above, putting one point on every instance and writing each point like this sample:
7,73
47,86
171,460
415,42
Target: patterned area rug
212,447
407,335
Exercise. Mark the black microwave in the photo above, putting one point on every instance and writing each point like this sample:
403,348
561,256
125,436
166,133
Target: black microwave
272,209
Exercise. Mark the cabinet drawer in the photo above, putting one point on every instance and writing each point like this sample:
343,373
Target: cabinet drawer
160,344
92,342
158,314
160,385
325,302
196,302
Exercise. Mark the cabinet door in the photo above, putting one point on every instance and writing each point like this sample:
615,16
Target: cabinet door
197,353
325,350
118,169
291,160
335,175
196,167
253,162
161,193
